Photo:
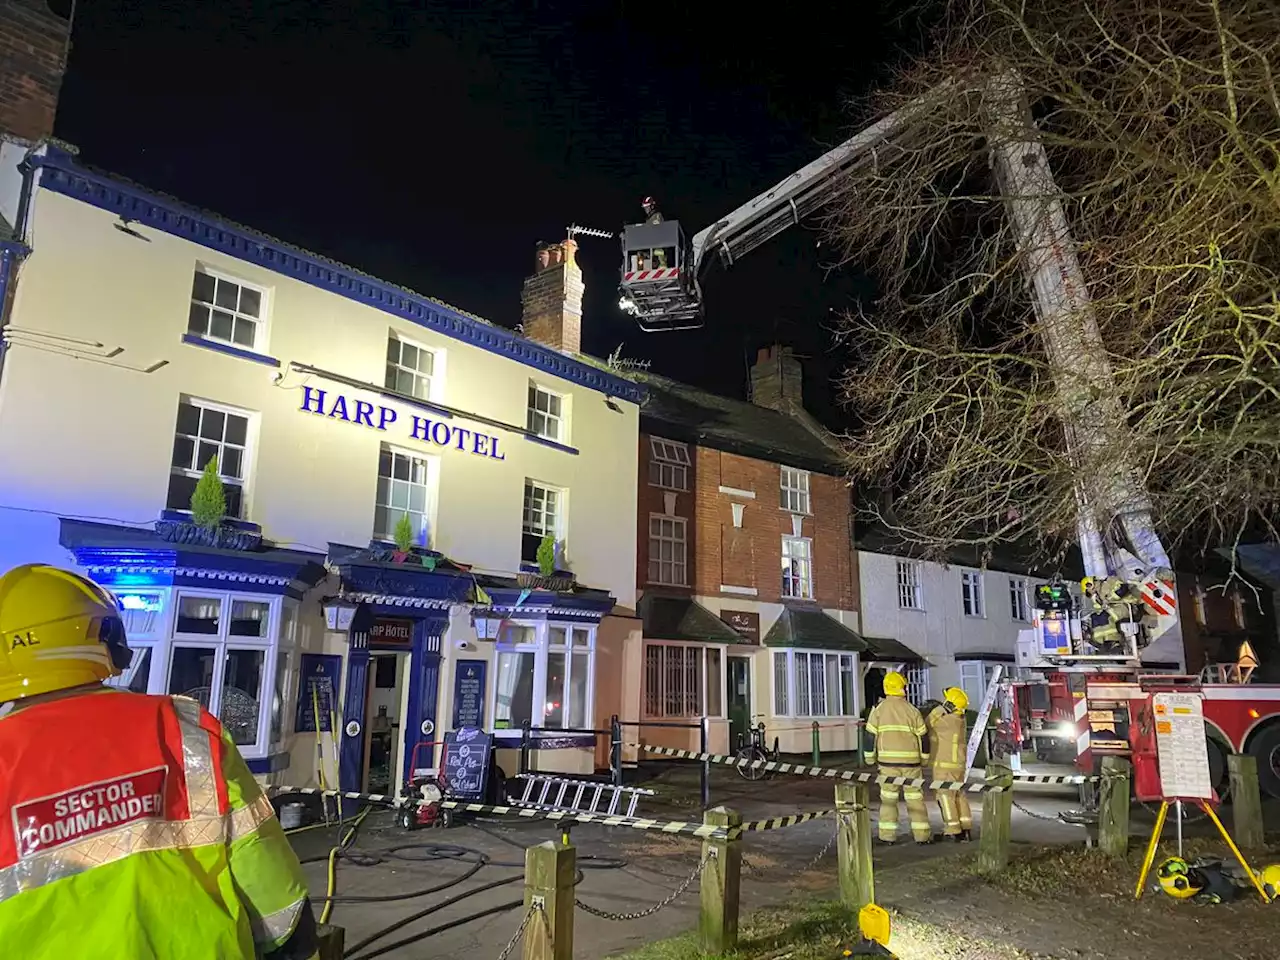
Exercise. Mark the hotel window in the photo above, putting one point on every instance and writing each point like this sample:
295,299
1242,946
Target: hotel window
207,432
410,368
797,567
227,310
404,489
668,550
819,684
682,681
909,593
545,675
546,414
1019,605
795,490
971,593
668,464
543,517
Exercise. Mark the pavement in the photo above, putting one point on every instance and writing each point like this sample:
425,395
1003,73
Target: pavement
442,877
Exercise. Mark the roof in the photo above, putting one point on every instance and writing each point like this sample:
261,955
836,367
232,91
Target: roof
681,618
888,650
1024,559
814,629
681,412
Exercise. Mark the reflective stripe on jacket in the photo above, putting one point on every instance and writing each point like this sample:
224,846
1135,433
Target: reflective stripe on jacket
947,739
896,727
130,826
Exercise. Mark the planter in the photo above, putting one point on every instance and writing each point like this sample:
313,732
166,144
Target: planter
224,537
382,552
559,582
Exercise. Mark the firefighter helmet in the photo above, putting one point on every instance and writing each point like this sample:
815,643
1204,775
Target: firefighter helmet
895,684
1086,585
957,698
57,630
1177,879
1270,880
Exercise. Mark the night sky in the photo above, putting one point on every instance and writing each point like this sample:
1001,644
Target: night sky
434,147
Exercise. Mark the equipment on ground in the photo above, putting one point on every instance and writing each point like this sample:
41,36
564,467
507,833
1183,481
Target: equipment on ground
545,792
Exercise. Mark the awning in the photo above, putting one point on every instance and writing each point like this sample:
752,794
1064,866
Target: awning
887,650
984,655
814,630
680,618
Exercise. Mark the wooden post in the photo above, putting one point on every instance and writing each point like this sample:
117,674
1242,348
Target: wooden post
997,811
549,871
721,879
329,941
1113,807
1246,800
853,821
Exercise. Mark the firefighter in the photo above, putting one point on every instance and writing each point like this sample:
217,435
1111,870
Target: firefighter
651,212
948,740
899,744
130,825
1110,601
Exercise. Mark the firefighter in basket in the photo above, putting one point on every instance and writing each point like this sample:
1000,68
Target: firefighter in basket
900,742
130,825
948,742
1108,603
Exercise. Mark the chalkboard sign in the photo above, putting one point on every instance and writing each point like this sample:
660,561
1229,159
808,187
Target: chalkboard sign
467,755
320,673
468,693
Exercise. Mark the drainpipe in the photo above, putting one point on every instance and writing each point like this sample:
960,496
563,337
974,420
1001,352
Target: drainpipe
12,252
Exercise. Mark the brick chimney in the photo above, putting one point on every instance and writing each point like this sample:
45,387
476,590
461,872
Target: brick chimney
551,300
775,380
33,55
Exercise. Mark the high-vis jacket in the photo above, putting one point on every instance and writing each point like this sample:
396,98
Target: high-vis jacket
898,731
130,827
947,739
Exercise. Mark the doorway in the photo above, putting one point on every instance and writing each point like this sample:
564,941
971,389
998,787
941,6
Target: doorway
738,701
384,709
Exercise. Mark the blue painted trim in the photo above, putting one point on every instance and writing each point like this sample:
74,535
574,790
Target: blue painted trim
272,764
117,196
551,443
424,683
198,341
351,750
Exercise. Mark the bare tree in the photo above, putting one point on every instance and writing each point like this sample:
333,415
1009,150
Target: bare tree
1161,121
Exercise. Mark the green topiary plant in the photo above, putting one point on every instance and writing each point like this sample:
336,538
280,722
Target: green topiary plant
547,556
209,501
403,533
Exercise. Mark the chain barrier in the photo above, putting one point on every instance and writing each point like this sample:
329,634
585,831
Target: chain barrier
649,911
760,871
511,944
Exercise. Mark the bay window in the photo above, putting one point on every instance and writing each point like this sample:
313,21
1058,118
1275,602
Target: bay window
814,683
682,680
545,676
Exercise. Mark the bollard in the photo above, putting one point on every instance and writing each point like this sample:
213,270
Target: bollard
721,879
1246,800
853,821
705,775
549,872
1113,807
817,745
329,941
997,812
615,750
526,730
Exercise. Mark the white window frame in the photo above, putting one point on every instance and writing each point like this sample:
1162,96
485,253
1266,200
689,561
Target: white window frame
793,693
918,682
558,529
679,564
432,379
259,323
554,427
579,637
972,599
699,653
910,591
797,567
1019,600
794,491
669,464
247,453
975,675
431,491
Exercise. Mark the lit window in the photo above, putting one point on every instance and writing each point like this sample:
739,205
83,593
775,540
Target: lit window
971,593
226,310
542,518
823,684
409,368
206,432
668,464
1019,607
797,567
544,676
909,593
404,489
682,681
795,490
546,416
667,550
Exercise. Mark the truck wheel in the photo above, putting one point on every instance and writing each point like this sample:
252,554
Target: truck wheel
1265,747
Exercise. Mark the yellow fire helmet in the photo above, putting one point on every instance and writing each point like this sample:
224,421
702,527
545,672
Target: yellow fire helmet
1175,878
895,684
1086,584
957,698
57,630
1270,880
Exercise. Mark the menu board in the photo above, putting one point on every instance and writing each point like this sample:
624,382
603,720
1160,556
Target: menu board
466,763
318,681
468,693
1181,747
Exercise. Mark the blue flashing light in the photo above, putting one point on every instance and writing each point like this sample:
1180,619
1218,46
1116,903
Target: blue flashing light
136,601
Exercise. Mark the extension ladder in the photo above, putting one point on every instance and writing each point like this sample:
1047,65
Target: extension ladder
576,796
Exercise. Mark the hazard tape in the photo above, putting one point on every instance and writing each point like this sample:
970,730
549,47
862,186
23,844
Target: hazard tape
1051,778
345,795
778,823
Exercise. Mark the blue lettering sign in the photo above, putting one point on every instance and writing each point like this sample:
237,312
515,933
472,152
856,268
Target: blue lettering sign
377,417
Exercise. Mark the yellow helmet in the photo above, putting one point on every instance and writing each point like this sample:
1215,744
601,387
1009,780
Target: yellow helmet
957,698
57,630
1086,584
1176,879
895,684
1270,880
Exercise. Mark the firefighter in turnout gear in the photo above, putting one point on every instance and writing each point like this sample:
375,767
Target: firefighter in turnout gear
1109,602
130,826
948,739
900,742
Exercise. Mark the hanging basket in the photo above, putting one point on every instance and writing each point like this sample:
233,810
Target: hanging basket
191,534
558,582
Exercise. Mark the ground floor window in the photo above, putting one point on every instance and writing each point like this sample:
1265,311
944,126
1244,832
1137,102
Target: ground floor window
975,675
545,676
683,680
917,682
814,684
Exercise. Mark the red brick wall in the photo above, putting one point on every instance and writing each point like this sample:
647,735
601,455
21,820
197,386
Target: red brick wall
652,500
33,45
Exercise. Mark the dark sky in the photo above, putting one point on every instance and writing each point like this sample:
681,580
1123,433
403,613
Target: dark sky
433,144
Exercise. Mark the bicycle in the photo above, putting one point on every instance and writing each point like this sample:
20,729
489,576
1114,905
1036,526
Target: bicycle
756,752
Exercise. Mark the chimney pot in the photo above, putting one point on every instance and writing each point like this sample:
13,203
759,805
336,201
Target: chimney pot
552,299
776,380
544,258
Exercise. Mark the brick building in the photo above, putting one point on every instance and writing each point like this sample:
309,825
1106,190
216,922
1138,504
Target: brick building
745,565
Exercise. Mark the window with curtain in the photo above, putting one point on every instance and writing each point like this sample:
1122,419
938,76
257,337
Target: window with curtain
545,676
818,683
